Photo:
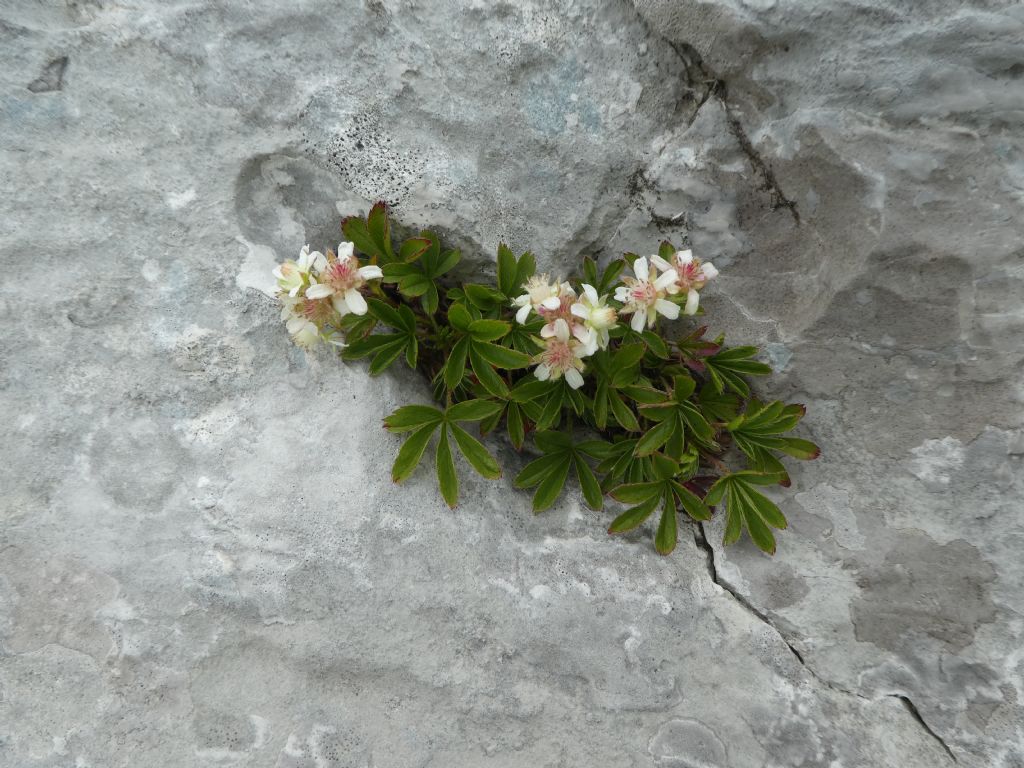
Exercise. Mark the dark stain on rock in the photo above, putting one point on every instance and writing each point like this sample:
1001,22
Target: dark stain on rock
923,588
51,78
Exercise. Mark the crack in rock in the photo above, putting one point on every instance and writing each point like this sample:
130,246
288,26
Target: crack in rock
715,86
701,540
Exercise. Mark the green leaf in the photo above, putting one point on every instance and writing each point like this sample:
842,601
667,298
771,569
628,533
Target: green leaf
665,468
459,317
429,300
447,262
632,518
488,330
516,428
501,357
610,275
530,388
413,248
627,356
455,368
728,367
387,314
683,387
481,296
690,502
666,537
506,271
447,480
414,285
411,452
550,488
644,395
588,484
354,229
478,457
601,404
487,376
472,410
379,229
622,412
656,437
525,269
410,417
632,493
551,441
655,343
387,355
534,472
799,449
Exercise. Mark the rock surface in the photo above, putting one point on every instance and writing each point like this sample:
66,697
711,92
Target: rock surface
202,559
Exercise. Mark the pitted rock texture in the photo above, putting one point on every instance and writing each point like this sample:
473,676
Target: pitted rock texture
202,559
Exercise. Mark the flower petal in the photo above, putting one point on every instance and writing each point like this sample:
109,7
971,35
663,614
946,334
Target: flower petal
574,377
548,331
542,372
318,291
371,272
710,270
640,268
523,313
660,263
345,250
591,293
667,308
339,304
551,302
580,311
666,279
355,301
684,257
639,320
561,329
692,301
621,293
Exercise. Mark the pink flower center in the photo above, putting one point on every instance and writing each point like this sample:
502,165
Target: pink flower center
341,275
564,311
690,275
641,291
559,355
316,310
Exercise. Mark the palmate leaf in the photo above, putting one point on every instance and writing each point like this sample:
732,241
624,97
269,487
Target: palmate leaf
371,236
727,369
758,433
417,275
665,489
512,272
422,421
549,472
747,508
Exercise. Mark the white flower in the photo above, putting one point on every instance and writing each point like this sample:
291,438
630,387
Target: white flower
598,318
692,276
540,292
292,276
340,280
644,295
561,357
304,332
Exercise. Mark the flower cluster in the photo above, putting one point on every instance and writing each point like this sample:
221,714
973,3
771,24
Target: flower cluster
577,326
660,416
317,291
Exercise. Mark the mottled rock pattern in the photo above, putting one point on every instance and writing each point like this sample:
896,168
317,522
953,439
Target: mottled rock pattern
202,560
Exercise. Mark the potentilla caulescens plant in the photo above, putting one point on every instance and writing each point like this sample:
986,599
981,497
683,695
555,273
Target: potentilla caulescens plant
588,370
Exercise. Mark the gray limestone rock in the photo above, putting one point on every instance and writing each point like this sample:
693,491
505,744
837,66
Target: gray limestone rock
203,561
